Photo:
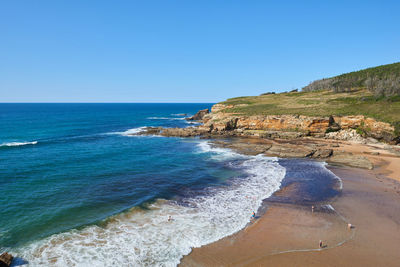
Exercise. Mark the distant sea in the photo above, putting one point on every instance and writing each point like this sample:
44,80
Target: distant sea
77,189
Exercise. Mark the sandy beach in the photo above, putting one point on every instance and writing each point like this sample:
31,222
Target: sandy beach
288,235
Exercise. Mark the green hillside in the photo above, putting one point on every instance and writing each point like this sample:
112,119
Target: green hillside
320,103
382,81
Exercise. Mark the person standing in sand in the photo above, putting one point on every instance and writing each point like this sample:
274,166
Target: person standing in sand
320,244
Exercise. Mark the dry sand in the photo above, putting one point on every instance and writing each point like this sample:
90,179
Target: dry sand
369,201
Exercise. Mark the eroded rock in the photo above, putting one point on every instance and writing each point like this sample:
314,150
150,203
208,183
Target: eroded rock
199,115
348,159
6,259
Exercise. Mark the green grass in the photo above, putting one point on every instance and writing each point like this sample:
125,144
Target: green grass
320,103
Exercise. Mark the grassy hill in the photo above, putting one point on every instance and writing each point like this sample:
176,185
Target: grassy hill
320,103
372,92
382,81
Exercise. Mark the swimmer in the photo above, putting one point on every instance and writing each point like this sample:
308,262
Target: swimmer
169,218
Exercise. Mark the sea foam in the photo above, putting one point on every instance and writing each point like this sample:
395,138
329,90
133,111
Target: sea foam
18,143
146,237
129,132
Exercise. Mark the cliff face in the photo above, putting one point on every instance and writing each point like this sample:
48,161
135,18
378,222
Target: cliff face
220,122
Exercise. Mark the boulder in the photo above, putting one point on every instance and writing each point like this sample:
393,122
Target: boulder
6,259
343,158
322,153
199,115
289,151
244,148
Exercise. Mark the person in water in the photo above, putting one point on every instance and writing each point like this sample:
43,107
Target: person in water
169,218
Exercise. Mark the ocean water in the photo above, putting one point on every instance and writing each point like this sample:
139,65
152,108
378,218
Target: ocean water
77,190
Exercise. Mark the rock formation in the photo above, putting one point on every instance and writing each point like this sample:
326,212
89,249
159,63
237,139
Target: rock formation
285,136
219,121
199,115
5,259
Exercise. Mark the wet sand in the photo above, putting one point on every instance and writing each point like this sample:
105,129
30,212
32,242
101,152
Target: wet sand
368,200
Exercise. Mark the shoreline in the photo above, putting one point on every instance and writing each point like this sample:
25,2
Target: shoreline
369,200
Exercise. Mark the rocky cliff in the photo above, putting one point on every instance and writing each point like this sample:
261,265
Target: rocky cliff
220,122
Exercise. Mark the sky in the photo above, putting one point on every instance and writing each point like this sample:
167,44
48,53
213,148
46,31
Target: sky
186,51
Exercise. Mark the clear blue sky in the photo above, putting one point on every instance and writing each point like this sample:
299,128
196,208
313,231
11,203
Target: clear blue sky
185,51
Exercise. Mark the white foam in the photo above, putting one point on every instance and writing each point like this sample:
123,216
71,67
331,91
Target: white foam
147,238
217,153
164,118
130,132
324,164
18,143
329,206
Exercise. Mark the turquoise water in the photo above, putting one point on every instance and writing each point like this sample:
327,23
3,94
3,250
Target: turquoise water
81,170
77,190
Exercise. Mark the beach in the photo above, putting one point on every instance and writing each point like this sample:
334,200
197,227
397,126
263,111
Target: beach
288,234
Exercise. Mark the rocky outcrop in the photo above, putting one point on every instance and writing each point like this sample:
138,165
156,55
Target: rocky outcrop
367,126
199,115
289,151
6,259
218,107
345,135
344,158
173,132
220,120
297,149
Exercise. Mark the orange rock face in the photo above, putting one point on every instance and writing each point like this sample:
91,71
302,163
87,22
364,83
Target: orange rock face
218,121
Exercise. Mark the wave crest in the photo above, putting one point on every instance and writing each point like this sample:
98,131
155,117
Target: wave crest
18,143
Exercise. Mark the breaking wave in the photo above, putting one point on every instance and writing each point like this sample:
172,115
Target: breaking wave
18,143
130,132
147,238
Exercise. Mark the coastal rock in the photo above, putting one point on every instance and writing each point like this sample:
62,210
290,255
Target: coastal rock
351,160
322,153
6,259
218,107
245,148
347,135
199,115
289,151
181,132
221,120
173,132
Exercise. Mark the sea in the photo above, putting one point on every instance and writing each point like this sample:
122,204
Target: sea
78,189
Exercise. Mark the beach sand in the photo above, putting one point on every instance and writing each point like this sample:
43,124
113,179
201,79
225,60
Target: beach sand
369,201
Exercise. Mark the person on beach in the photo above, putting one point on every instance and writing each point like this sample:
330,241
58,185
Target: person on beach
253,215
320,244
312,208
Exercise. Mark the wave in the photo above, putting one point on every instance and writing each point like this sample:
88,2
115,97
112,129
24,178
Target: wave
18,143
324,164
217,153
164,118
147,238
130,132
